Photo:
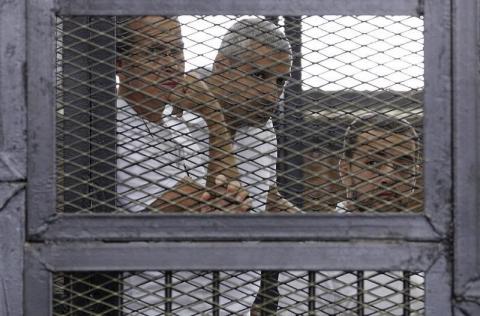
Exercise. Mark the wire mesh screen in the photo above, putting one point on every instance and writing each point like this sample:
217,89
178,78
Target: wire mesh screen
240,293
231,114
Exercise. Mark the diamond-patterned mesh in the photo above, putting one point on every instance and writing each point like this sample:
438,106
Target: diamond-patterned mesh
310,114
240,293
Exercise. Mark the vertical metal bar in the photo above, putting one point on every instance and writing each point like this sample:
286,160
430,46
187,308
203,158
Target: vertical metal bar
103,115
438,288
406,293
290,153
360,293
168,292
13,153
76,95
466,37
311,292
89,137
438,115
12,236
216,293
38,285
41,113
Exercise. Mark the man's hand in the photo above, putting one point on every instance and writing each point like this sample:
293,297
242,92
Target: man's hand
194,95
226,197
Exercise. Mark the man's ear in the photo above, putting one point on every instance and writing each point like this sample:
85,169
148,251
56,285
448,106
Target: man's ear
344,170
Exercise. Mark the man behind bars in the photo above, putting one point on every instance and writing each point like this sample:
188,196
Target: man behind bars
248,78
379,164
378,168
158,167
158,163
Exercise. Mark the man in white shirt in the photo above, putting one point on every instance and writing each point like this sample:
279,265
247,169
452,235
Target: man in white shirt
248,78
159,167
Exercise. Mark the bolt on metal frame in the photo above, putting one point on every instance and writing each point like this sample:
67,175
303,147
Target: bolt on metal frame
415,236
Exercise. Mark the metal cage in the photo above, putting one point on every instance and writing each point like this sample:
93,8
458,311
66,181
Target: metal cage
43,247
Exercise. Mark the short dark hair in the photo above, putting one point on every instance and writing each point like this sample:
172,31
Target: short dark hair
378,121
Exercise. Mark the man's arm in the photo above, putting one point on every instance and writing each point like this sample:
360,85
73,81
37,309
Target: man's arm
278,204
195,96
188,195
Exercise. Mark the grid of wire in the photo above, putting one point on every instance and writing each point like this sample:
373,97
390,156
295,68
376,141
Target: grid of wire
150,110
239,293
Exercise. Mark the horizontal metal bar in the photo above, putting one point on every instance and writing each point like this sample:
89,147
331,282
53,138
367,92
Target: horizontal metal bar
238,227
214,7
238,256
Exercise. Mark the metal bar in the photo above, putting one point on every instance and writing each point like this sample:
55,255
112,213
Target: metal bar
12,236
406,293
438,117
239,256
221,7
77,113
289,159
438,288
311,293
41,115
38,285
238,227
360,292
13,153
216,293
466,152
103,115
168,293
13,146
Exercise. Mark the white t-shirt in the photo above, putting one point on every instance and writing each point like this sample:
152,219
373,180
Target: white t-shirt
152,158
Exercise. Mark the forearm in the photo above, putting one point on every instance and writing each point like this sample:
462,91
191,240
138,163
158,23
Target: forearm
185,196
222,159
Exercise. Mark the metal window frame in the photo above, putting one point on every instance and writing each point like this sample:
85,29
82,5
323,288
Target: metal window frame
412,242
45,224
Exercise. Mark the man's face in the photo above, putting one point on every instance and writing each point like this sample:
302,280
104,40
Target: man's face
252,84
154,65
381,171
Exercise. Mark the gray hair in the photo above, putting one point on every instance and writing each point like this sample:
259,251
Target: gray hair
239,37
